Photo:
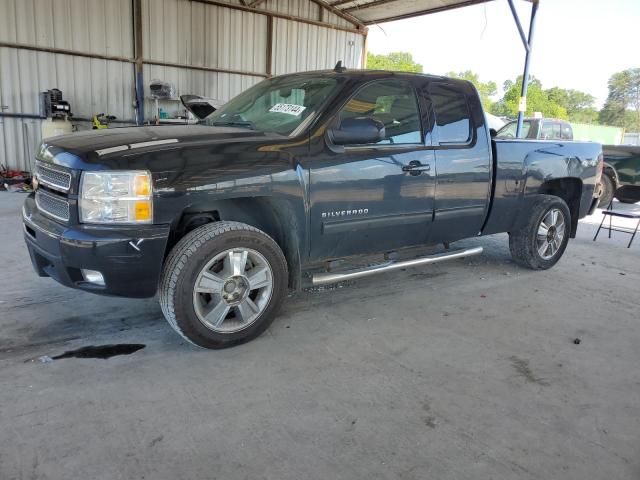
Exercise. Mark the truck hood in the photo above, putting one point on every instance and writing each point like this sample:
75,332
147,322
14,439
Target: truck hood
94,147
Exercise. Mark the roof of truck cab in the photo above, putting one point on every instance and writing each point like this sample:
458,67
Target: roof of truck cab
358,73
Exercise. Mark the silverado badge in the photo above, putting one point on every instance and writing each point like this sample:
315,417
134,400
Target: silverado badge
345,213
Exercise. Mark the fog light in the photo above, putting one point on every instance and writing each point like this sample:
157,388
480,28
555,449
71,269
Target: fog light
93,276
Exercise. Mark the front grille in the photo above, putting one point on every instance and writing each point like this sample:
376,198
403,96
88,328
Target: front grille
52,205
53,176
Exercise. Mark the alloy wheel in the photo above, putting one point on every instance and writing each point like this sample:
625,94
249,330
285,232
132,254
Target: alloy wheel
232,290
551,232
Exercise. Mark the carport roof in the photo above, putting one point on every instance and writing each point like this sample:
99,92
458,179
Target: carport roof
378,11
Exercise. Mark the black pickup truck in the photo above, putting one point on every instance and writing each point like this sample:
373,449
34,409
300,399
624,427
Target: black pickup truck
282,186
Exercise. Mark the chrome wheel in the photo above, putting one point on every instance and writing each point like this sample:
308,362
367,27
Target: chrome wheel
232,290
550,234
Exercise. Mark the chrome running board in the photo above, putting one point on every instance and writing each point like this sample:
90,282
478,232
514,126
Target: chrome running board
326,278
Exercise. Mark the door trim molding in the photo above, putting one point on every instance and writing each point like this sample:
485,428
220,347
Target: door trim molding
342,226
459,212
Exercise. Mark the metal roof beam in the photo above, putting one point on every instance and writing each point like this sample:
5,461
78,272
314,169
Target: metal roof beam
341,2
466,3
340,13
360,29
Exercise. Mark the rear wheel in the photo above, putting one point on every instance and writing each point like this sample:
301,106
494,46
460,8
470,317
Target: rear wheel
542,241
608,189
222,284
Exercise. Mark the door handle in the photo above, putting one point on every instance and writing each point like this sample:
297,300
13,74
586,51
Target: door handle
416,168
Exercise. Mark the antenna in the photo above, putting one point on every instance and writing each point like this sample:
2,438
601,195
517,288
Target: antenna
339,68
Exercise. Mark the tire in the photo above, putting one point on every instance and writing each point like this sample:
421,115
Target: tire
622,198
608,189
238,268
526,243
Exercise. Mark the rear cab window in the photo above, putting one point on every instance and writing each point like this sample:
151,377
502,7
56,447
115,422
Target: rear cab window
452,115
550,131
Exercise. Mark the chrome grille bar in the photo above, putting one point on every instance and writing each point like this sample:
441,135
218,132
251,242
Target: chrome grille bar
53,176
52,205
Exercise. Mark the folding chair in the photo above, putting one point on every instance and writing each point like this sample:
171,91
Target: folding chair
629,193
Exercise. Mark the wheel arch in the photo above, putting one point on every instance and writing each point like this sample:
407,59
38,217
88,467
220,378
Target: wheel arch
568,189
277,217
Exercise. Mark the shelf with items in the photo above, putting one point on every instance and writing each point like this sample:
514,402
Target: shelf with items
170,111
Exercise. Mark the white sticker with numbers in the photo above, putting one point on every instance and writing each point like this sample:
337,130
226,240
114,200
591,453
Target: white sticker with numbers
289,108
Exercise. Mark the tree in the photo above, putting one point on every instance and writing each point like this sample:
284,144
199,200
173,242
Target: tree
537,100
585,115
396,61
622,107
485,89
579,105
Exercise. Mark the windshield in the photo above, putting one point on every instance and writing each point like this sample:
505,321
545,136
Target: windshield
509,130
278,105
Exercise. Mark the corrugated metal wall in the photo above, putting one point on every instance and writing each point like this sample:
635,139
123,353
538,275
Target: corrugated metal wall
299,46
91,85
181,32
201,35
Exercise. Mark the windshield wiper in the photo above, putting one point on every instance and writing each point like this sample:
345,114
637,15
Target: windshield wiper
243,124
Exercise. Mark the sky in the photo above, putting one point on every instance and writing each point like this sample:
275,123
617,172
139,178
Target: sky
577,44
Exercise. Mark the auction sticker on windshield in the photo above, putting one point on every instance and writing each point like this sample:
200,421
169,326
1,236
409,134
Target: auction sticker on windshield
289,108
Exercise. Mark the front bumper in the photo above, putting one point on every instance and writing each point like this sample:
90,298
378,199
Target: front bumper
128,257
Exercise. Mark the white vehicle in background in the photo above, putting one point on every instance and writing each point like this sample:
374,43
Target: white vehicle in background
493,121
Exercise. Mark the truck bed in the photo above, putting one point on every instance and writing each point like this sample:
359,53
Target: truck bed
522,168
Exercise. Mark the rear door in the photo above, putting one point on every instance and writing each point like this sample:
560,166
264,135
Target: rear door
375,197
463,161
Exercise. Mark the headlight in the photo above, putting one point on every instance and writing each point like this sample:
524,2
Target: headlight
116,197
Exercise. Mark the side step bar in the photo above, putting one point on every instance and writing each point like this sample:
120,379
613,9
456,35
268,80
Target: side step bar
326,278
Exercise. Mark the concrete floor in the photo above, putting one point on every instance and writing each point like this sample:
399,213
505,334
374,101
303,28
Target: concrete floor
462,370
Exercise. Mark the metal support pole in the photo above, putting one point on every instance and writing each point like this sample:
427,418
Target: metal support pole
269,53
516,19
138,65
522,105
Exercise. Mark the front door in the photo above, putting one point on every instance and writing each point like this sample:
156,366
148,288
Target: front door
375,197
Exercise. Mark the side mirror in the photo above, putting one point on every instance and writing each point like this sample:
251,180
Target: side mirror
493,132
201,107
358,131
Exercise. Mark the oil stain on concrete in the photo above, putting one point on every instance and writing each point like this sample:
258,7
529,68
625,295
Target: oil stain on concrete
101,351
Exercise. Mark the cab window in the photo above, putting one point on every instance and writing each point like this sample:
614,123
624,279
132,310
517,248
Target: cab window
394,104
509,130
550,131
453,119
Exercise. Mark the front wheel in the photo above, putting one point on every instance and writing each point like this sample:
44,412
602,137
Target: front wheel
542,241
222,284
